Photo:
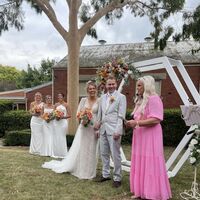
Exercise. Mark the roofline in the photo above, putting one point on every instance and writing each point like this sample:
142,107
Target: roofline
14,98
13,91
38,87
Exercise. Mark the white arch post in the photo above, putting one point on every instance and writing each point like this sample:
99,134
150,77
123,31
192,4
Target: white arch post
169,64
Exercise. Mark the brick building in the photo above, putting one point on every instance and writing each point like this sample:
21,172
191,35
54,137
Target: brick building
92,57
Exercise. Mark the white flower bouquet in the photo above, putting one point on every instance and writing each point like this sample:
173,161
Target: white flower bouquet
194,147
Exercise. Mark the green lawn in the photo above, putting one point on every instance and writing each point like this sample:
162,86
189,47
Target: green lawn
21,177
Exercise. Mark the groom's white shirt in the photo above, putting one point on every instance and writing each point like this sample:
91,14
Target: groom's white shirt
111,113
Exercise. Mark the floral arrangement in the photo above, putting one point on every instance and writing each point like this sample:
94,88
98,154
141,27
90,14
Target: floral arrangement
58,114
117,68
36,109
48,116
112,99
194,147
85,117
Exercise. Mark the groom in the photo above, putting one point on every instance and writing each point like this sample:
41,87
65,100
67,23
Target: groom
111,112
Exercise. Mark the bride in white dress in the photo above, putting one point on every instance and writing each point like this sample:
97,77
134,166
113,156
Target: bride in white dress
36,108
81,160
60,127
47,147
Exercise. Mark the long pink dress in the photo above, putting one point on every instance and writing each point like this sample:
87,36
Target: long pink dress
148,175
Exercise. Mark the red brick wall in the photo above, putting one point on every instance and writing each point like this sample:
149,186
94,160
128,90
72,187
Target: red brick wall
47,90
169,94
60,83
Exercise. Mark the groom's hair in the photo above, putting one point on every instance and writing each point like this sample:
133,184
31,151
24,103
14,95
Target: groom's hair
111,78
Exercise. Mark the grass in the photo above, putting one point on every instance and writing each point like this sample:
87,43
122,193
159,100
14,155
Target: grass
22,178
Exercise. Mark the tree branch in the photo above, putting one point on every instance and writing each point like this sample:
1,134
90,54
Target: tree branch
110,7
48,10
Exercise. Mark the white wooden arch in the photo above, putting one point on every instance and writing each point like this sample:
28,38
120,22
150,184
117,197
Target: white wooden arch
169,64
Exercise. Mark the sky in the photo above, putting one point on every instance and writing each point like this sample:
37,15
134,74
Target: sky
40,40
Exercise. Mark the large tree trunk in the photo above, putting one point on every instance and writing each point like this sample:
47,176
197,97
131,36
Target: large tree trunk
73,83
73,43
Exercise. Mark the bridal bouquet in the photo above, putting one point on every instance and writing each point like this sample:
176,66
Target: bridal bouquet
85,117
194,147
48,117
58,114
36,109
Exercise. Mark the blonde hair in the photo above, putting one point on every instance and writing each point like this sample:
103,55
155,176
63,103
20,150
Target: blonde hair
89,83
38,93
149,90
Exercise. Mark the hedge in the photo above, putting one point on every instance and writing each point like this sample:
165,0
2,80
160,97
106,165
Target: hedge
5,105
14,120
174,127
23,137
18,138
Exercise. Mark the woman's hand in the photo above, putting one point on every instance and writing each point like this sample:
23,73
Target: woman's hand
131,123
97,134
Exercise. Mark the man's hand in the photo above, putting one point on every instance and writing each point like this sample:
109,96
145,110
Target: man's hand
97,126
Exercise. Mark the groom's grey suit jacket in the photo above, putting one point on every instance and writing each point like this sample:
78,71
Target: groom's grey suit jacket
111,117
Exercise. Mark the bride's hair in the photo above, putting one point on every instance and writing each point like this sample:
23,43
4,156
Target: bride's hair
149,90
90,83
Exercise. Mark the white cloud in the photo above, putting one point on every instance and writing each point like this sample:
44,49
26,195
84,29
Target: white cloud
39,40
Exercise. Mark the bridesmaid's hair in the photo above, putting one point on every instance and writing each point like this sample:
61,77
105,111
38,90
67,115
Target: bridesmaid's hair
38,93
47,96
61,94
149,90
90,83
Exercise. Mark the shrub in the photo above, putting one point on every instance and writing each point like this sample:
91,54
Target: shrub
23,137
14,120
173,126
70,139
16,138
5,105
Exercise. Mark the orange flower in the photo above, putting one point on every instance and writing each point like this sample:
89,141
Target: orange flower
58,114
85,117
112,99
37,109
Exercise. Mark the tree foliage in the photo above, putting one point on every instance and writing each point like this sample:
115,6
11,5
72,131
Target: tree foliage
9,73
33,76
11,15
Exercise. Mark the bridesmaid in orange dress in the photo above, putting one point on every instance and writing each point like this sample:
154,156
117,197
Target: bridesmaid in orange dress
148,175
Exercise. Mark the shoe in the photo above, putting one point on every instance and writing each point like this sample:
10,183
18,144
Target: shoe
116,184
103,179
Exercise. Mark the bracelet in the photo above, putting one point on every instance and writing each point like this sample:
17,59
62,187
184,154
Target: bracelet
137,124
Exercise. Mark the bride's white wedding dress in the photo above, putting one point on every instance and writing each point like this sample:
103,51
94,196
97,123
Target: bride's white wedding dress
81,159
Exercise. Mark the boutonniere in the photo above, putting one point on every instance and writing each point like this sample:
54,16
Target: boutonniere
112,99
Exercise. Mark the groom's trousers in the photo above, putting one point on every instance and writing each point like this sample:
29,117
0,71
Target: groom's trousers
109,146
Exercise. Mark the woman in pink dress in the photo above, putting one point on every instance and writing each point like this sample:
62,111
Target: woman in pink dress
148,175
